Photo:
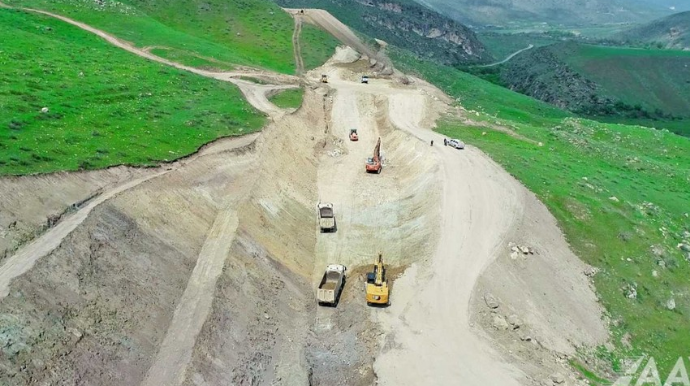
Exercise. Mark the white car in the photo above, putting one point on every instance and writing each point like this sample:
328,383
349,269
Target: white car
456,143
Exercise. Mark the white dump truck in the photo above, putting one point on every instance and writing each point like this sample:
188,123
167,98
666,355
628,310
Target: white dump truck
331,285
326,217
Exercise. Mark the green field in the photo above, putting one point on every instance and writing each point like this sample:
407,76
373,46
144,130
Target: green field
244,32
581,166
288,99
123,110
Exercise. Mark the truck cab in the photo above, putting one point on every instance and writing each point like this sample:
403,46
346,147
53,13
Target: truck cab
326,217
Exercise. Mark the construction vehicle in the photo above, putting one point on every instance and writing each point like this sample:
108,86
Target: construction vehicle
324,78
374,163
326,217
331,285
365,79
353,135
377,285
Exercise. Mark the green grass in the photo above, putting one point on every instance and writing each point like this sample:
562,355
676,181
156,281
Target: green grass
245,32
192,60
288,99
654,79
581,165
101,111
479,95
317,46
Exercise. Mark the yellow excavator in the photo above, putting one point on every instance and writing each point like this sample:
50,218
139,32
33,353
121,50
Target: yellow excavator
377,285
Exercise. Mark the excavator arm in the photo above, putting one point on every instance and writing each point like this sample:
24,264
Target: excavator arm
379,270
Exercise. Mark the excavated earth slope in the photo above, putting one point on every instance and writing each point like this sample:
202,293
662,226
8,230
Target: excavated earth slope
203,272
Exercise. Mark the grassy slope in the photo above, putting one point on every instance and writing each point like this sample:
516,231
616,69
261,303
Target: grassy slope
287,99
658,31
579,167
101,112
246,32
651,78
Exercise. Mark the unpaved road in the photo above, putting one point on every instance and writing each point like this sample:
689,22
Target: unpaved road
429,318
335,27
511,56
299,63
256,94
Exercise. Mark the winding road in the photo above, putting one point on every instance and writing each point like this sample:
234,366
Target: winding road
511,56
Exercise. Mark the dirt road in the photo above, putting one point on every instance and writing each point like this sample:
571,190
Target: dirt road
299,63
511,56
256,94
429,318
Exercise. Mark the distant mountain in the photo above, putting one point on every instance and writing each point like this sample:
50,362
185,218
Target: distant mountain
673,5
406,24
670,32
481,13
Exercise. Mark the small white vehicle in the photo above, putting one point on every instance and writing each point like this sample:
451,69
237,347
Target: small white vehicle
326,217
331,285
365,79
456,143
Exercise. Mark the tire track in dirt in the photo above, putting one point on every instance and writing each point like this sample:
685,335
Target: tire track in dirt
299,63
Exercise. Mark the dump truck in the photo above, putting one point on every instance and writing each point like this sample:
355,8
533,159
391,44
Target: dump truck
326,217
377,284
374,163
353,135
324,78
331,285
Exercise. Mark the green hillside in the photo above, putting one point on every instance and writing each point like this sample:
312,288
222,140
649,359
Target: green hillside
243,32
669,32
650,87
511,13
101,113
619,193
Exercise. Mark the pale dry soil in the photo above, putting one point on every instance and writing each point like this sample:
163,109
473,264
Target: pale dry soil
203,272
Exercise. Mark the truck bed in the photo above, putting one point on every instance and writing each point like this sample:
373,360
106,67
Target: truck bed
329,285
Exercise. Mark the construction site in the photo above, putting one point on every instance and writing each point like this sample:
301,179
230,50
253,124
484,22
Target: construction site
205,271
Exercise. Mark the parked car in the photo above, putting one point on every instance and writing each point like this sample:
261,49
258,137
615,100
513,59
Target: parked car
456,143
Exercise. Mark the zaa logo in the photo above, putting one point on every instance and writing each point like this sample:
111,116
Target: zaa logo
650,374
